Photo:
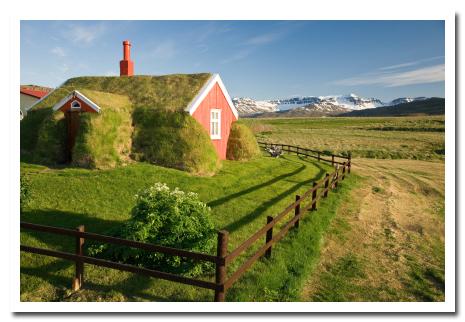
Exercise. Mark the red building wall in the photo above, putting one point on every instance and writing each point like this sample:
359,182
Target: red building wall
216,100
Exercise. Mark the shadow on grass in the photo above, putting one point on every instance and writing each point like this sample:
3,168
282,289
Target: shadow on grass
131,287
66,219
238,194
269,203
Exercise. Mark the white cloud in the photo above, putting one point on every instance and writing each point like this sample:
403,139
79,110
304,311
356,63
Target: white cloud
85,34
263,39
424,75
412,63
241,54
164,50
250,45
58,51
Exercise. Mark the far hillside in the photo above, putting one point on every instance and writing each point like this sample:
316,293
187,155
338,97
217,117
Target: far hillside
430,106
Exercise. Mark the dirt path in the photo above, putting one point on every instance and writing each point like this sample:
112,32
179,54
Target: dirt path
387,242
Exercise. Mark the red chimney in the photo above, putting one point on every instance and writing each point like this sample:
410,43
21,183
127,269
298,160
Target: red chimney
126,66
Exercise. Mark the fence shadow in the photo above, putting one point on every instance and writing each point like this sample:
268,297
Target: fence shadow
133,286
64,219
269,203
238,194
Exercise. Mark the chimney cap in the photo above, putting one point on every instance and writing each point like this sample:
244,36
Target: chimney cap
126,42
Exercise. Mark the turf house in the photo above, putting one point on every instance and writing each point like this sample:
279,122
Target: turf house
181,121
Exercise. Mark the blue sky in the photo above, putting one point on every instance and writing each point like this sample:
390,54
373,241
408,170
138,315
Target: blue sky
258,59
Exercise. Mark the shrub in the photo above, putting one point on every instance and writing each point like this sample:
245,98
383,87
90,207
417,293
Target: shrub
242,144
165,217
25,192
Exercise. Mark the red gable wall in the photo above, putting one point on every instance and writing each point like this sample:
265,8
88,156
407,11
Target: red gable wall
216,100
84,107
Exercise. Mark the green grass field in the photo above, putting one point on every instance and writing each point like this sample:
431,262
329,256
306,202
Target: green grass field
419,138
390,213
241,196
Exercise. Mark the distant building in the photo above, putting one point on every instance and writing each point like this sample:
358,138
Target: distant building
30,94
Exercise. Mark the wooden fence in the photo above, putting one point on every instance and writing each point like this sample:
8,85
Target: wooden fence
318,155
306,202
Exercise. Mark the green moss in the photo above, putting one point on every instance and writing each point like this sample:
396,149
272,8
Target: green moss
242,144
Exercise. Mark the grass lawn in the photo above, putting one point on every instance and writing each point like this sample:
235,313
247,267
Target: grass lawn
241,195
419,138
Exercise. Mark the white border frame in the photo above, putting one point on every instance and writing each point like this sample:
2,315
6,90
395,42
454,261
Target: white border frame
242,9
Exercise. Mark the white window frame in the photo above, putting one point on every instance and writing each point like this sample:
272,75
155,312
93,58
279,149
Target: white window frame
216,136
75,108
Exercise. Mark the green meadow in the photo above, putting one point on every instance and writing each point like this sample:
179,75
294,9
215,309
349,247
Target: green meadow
417,138
241,196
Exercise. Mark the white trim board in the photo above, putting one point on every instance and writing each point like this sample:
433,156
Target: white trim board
79,95
195,103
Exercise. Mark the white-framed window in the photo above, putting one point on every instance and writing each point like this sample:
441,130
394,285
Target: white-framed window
215,124
75,105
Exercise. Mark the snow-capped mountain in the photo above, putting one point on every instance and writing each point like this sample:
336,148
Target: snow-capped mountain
245,105
402,100
316,104
350,101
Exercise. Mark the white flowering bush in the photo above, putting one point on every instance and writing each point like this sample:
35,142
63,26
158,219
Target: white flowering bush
165,217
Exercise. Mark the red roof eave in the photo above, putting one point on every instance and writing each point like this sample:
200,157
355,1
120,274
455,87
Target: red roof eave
33,93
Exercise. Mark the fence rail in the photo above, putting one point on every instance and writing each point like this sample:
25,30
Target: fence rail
222,258
319,155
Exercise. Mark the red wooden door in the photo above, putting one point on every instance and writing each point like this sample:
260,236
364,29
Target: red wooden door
72,125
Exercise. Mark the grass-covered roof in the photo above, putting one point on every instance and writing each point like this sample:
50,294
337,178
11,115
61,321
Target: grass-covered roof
167,92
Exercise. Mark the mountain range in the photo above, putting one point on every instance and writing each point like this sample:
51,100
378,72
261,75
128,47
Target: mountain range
314,105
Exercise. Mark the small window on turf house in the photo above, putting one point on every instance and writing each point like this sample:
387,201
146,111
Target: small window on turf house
215,124
75,105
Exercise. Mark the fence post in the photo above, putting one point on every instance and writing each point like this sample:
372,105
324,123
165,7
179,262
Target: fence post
269,236
79,273
350,163
314,196
220,278
332,160
325,194
343,171
337,176
297,211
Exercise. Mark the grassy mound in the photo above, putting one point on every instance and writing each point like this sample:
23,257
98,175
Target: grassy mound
163,133
242,144
174,140
104,140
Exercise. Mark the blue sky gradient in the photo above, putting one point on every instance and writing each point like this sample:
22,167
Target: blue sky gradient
258,59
